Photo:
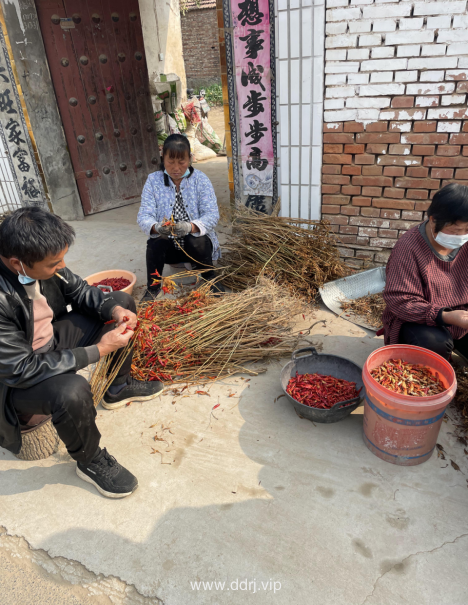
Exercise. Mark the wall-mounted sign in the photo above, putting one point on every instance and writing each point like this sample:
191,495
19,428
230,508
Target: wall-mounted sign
15,136
251,38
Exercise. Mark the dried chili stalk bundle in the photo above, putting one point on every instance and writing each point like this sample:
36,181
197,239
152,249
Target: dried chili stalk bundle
370,308
460,402
203,336
408,379
299,254
319,391
107,369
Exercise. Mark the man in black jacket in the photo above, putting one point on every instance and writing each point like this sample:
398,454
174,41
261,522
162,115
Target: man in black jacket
43,346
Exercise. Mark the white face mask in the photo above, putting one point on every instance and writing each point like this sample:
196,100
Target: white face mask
25,279
450,242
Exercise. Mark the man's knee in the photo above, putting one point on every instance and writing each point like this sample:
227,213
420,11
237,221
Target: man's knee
124,300
70,393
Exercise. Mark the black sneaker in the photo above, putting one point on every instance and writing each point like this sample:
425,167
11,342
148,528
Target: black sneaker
218,288
109,477
135,390
150,294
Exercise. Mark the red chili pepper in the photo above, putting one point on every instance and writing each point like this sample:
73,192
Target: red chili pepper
116,283
319,391
111,321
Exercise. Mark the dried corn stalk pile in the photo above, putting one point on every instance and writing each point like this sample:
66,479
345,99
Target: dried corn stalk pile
299,254
370,308
200,336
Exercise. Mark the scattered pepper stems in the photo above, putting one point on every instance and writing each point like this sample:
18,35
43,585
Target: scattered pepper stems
320,391
408,379
370,308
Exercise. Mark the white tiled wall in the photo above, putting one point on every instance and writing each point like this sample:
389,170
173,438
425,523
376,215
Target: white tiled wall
300,33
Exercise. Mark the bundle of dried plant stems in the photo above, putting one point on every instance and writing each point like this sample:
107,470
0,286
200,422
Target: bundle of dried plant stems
200,336
460,402
370,308
299,254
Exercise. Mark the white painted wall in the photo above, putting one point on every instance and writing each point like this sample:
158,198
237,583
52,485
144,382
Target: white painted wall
300,33
382,50
162,34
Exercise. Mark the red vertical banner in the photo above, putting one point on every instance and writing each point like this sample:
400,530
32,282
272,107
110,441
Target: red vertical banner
251,33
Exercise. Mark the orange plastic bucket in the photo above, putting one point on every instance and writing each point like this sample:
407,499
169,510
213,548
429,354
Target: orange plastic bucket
399,428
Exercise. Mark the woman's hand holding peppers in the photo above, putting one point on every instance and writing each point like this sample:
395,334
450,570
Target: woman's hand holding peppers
163,229
183,228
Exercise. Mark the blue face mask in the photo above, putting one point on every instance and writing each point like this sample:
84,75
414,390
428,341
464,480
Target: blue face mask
187,172
24,279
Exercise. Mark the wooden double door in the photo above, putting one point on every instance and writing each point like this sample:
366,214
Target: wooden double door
97,62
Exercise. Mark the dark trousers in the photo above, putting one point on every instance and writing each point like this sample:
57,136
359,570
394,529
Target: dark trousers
161,251
434,338
67,397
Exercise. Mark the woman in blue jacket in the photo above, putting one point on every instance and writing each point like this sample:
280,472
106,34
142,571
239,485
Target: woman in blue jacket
186,195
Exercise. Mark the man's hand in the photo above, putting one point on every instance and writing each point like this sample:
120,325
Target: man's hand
114,339
456,318
119,313
182,228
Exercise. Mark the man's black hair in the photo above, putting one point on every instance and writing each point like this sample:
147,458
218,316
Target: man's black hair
30,234
449,206
176,146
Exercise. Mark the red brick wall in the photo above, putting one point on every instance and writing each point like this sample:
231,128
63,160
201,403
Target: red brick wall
377,181
201,47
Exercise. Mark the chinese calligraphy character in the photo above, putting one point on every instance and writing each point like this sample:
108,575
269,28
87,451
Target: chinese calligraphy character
253,44
256,161
6,103
250,13
254,76
15,134
30,188
22,165
256,132
254,104
256,202
2,75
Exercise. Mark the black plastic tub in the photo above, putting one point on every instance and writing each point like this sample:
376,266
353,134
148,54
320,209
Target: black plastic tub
329,365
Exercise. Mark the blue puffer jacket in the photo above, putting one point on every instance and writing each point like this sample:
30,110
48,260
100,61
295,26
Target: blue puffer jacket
157,203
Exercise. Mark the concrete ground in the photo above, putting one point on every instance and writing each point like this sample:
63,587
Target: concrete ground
279,509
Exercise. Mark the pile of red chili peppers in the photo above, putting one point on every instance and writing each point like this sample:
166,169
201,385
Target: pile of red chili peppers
116,283
319,391
158,354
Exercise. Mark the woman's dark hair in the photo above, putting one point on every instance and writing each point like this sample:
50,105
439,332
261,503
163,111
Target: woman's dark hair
177,147
30,234
449,206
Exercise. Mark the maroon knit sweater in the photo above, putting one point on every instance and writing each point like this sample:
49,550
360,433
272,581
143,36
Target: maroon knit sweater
419,284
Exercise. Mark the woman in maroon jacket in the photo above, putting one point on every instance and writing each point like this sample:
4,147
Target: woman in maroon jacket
426,294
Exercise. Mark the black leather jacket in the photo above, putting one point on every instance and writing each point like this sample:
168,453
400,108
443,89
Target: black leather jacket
20,368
